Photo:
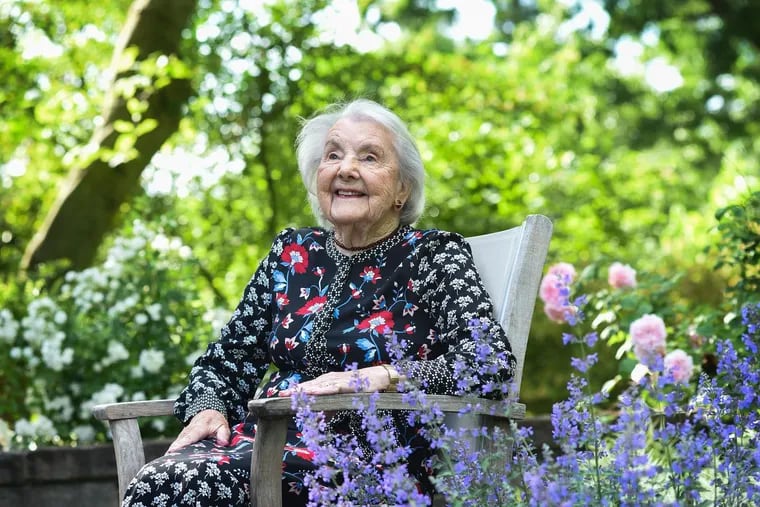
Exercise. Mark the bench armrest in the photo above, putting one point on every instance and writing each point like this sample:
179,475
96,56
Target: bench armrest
133,409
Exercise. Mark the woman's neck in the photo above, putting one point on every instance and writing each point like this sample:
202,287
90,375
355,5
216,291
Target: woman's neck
352,239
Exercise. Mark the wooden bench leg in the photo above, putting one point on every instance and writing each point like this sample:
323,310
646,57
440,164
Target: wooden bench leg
128,447
266,462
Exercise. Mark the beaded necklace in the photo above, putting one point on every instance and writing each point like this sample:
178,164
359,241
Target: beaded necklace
365,247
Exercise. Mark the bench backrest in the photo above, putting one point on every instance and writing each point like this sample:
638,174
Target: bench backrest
511,264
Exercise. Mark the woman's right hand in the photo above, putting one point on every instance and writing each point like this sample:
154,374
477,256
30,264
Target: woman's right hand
207,423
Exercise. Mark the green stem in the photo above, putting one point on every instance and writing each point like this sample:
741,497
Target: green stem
673,483
715,479
592,413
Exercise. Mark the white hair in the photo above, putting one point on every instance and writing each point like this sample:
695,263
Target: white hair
311,140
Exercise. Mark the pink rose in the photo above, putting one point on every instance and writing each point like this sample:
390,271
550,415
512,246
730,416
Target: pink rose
554,290
680,365
556,281
564,270
555,313
550,291
648,337
621,275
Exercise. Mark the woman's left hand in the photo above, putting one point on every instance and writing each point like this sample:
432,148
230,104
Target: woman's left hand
372,379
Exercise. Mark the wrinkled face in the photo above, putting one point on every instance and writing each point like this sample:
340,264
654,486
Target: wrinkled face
358,180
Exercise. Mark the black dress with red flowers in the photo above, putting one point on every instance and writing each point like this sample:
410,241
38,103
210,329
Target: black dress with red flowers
310,309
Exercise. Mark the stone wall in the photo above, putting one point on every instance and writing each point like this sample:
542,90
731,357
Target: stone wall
86,476
63,476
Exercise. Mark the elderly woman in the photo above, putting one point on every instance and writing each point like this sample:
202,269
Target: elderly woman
326,298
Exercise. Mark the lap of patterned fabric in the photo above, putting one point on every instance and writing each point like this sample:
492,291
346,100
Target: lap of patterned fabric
205,474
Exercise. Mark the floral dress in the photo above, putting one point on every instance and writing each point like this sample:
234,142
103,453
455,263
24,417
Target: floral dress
310,309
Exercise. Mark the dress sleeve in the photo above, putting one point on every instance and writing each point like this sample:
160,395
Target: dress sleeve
226,376
479,357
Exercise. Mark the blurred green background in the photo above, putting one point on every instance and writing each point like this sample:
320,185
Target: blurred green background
628,123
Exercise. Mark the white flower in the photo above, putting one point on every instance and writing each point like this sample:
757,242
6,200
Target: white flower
136,372
61,404
23,428
190,358
39,426
59,317
123,305
152,360
141,319
154,311
52,354
158,424
39,324
8,326
109,394
84,433
67,356
139,396
217,317
44,427
5,435
160,243
116,352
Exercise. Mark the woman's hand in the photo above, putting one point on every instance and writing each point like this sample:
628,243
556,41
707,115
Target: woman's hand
204,424
372,379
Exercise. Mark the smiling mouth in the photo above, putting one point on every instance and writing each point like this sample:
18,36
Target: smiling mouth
349,193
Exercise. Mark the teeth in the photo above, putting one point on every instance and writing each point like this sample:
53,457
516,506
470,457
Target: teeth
348,193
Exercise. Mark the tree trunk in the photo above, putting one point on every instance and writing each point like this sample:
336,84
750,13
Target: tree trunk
90,198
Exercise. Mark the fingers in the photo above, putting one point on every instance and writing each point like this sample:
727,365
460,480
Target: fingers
203,424
223,434
340,382
315,389
329,383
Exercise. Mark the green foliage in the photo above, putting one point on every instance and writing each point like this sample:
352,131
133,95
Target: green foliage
532,119
126,329
738,249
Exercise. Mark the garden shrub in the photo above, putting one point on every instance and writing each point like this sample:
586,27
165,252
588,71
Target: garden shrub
126,329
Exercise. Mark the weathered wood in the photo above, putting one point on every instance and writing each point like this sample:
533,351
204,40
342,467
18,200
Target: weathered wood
517,312
274,407
266,462
133,409
127,440
128,448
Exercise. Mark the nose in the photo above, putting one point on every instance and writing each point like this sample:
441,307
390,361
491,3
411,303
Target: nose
347,168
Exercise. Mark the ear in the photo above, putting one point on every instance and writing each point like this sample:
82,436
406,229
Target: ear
404,190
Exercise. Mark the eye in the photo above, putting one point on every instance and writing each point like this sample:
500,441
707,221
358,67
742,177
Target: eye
370,158
332,156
